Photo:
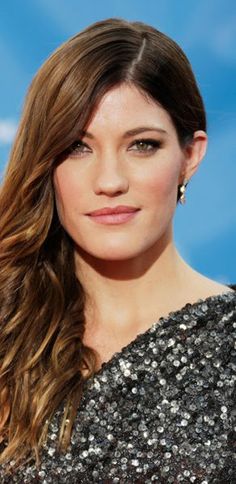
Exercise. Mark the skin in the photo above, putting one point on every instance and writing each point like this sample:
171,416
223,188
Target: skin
132,273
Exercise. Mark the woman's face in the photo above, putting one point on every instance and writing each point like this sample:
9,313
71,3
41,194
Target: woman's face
129,155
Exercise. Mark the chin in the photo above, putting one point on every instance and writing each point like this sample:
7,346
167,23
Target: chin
114,254
111,251
120,251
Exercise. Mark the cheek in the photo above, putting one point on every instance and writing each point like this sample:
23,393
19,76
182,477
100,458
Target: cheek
67,190
160,183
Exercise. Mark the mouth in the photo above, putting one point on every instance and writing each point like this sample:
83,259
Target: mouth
113,210
114,218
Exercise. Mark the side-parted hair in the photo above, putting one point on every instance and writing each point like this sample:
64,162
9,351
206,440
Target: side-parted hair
43,361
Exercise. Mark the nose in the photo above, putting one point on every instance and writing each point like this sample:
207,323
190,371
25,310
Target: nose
110,178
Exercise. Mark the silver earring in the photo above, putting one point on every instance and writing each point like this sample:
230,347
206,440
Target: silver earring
182,190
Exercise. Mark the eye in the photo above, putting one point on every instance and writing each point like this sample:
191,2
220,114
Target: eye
145,145
78,148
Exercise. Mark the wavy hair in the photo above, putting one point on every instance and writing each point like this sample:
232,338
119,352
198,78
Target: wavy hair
43,361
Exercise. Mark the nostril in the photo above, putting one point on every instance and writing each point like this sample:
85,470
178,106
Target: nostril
111,188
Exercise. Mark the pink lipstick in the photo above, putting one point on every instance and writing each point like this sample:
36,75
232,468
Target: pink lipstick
113,215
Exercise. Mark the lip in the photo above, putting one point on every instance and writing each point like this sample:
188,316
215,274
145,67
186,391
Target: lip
113,215
120,209
114,218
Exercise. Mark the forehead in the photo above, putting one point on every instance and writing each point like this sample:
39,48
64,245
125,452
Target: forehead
127,104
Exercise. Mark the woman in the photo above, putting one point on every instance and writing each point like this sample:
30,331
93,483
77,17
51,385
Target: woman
116,355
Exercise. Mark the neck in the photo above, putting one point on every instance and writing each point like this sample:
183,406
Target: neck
126,293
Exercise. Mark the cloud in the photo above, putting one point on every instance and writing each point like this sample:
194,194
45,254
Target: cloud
7,131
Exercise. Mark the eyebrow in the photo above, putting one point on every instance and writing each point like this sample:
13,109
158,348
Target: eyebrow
130,132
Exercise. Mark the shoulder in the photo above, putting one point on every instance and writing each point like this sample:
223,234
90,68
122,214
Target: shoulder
199,286
222,309
232,286
215,321
212,324
214,288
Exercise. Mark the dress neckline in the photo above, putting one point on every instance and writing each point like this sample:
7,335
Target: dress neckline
159,324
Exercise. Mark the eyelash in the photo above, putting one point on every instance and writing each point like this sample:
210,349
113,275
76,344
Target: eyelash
153,143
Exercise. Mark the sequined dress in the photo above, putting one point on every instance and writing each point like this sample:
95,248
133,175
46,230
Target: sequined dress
162,410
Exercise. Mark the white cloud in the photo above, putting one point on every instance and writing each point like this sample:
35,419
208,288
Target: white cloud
7,131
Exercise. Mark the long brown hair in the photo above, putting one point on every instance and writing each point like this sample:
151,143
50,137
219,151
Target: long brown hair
43,361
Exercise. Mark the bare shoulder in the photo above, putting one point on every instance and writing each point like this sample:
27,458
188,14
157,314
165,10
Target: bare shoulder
200,286
214,287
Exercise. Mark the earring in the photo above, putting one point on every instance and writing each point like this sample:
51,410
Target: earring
182,189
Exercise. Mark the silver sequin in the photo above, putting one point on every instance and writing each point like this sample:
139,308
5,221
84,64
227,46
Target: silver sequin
162,410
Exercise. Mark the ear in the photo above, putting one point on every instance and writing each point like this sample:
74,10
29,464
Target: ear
194,152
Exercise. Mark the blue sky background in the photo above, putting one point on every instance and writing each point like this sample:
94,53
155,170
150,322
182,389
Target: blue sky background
205,228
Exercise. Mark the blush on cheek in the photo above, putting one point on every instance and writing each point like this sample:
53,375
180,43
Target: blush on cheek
162,184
